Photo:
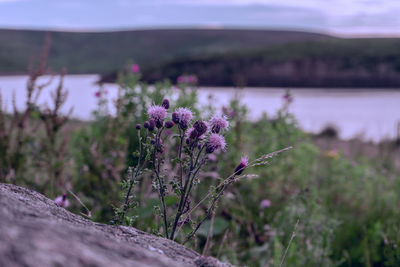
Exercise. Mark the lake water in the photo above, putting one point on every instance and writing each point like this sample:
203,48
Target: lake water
371,114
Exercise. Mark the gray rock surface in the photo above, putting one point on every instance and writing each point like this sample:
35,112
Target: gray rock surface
34,231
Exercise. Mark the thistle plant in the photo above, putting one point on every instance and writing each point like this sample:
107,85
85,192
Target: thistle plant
197,140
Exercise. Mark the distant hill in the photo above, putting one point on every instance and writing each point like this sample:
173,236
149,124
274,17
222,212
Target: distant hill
104,52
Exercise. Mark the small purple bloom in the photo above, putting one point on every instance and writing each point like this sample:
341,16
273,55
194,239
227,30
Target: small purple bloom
187,79
215,142
165,103
146,124
135,68
288,97
182,116
138,126
266,203
191,133
62,201
153,141
242,166
201,128
158,114
218,123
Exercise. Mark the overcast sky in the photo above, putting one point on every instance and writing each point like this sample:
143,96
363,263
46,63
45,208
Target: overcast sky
366,17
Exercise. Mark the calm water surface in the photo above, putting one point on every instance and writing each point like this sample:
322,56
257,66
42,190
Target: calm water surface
371,114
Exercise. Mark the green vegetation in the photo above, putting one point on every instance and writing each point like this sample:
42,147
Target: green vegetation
337,211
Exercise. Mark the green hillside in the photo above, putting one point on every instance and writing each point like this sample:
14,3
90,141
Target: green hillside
103,52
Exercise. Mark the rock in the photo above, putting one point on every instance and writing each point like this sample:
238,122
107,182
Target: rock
34,231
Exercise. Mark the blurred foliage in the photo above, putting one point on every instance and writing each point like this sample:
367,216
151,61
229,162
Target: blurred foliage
332,210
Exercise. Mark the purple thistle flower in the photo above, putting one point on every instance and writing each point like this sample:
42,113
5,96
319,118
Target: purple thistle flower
242,166
266,203
218,123
191,133
135,68
169,124
146,124
182,116
138,126
201,127
215,142
62,201
158,114
165,103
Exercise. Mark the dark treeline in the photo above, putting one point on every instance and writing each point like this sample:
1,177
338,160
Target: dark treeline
329,63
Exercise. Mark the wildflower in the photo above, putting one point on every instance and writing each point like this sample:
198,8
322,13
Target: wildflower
288,97
152,124
158,114
212,158
153,141
218,124
169,124
191,133
215,142
165,103
242,166
266,203
146,124
135,68
187,79
62,201
97,94
201,127
182,116
138,126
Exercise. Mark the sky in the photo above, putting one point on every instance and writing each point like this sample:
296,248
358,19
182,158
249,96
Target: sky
342,17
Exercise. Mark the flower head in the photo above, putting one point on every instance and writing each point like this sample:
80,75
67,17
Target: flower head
201,128
182,116
266,203
192,133
218,123
287,97
215,142
138,126
135,68
158,114
242,166
62,201
187,79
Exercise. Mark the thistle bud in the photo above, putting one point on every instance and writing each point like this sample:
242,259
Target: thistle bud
165,103
175,117
152,124
138,126
242,166
169,124
159,124
146,124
